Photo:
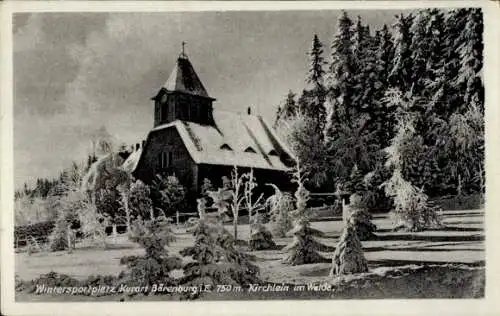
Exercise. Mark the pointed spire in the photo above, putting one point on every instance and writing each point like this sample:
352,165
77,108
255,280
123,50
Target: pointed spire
184,78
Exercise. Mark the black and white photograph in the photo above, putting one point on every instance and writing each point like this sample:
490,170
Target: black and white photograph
212,155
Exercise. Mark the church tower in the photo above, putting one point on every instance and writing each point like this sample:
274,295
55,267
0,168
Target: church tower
183,96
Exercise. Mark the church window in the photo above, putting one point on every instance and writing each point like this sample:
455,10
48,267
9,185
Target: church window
163,112
170,159
185,111
165,159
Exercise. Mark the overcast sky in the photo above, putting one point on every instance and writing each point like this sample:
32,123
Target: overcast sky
74,73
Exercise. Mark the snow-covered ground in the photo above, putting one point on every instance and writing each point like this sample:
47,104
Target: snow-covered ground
460,242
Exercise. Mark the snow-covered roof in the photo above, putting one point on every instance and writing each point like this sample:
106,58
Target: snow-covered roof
131,162
228,142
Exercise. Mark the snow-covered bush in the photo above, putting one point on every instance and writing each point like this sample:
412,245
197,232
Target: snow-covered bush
155,265
280,205
68,208
348,257
140,201
260,237
62,236
167,194
412,210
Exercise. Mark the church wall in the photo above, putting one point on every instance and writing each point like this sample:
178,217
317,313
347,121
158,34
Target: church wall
166,140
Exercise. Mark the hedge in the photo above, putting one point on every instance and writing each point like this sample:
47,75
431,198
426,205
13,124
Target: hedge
40,231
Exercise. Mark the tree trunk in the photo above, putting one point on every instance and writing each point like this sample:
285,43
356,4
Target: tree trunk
235,226
344,213
68,237
127,212
151,213
114,233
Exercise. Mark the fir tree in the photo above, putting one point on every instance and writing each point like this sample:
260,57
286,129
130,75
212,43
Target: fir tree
288,110
471,55
355,183
348,257
341,76
215,260
383,116
400,75
365,78
360,218
155,265
304,247
412,208
315,78
61,237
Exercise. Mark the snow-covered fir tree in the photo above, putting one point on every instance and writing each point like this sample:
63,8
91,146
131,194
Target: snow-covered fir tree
348,257
214,258
304,247
315,107
471,55
260,237
401,72
360,218
341,74
412,208
288,109
155,265
280,205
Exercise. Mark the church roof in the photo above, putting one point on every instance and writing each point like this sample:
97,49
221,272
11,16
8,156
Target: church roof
184,79
236,140
131,162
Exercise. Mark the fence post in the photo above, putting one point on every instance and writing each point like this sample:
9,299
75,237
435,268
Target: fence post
177,218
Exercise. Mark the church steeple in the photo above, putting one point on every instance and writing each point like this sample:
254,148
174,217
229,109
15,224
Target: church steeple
183,96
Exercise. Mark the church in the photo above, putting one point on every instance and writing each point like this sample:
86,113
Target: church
194,140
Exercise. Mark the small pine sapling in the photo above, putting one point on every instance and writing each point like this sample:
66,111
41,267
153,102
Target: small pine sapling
260,237
304,247
62,236
348,257
280,205
155,265
360,218
215,260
